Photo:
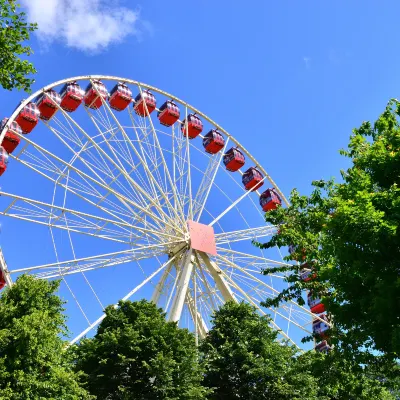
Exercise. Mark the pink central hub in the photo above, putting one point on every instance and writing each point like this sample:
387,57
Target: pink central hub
202,238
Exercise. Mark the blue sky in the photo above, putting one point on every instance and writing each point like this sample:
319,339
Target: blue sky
288,79
313,70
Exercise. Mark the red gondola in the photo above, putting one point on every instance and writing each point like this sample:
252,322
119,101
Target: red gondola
252,179
213,142
28,118
71,96
306,274
233,159
120,96
93,98
315,304
11,140
2,280
48,104
144,100
169,113
270,200
292,249
321,327
323,347
3,160
194,126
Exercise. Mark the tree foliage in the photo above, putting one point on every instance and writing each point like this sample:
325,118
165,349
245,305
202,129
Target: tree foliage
340,378
243,360
137,354
33,364
348,232
14,32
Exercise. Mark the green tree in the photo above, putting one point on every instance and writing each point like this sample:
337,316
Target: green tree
349,233
243,360
33,363
14,32
339,378
137,354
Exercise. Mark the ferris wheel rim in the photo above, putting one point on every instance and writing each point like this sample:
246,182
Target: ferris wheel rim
148,87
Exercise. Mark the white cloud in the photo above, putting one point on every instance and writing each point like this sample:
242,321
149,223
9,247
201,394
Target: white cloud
88,25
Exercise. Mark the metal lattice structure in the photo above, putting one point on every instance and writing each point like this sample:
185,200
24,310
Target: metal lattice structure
112,190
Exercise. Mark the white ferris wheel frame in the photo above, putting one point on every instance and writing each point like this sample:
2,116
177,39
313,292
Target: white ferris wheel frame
223,281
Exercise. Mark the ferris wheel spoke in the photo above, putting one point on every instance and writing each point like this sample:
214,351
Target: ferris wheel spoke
160,285
103,186
147,150
116,162
144,181
116,212
158,183
284,312
166,168
248,257
127,297
55,216
161,191
225,195
140,213
91,263
180,153
244,234
243,271
234,204
94,169
188,166
248,299
269,290
207,183
81,185
113,162
151,174
85,148
67,132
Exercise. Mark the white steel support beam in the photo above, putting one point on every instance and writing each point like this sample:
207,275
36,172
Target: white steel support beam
220,281
202,329
182,287
158,289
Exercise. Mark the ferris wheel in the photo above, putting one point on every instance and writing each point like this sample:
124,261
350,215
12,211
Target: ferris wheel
133,194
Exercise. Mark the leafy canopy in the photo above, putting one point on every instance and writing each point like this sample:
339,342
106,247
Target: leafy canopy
341,378
137,354
243,360
349,234
14,32
33,364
